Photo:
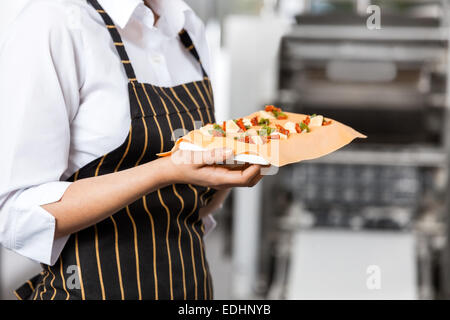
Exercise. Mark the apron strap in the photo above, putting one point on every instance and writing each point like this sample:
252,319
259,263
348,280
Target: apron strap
189,45
117,39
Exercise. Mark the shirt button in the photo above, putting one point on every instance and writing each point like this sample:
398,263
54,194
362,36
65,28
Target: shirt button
157,59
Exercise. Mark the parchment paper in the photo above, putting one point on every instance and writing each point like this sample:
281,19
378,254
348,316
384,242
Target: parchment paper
298,147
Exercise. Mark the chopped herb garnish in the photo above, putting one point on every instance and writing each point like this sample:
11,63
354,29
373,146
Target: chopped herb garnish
304,126
264,121
265,131
279,114
219,129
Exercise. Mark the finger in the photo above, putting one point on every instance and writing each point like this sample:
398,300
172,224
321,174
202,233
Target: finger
255,181
252,175
214,156
242,178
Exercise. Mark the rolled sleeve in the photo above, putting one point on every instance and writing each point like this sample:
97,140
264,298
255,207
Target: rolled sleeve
28,229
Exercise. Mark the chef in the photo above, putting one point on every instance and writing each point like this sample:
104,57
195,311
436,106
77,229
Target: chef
90,92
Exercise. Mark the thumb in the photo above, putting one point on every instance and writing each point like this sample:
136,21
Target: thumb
217,156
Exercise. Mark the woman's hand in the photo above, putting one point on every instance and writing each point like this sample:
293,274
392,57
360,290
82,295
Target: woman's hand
203,168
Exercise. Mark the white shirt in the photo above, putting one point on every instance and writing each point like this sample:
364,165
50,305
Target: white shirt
64,100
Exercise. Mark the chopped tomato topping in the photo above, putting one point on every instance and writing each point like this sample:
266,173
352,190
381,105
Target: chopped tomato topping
282,130
254,121
298,128
241,125
224,126
307,120
282,116
326,123
245,139
271,108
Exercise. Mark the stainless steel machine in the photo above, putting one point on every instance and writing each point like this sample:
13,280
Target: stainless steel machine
391,84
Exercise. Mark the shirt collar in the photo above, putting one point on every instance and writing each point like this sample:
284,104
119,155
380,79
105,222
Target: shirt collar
173,13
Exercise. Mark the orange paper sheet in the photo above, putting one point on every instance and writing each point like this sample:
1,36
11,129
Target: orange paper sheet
298,147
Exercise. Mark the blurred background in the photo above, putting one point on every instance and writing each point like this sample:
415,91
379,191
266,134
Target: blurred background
370,221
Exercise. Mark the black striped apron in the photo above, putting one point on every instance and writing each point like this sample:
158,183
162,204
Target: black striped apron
153,248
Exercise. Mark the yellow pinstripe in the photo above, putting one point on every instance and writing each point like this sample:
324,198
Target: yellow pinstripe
210,287
202,200
45,287
37,289
192,241
204,102
209,275
193,100
179,238
201,245
51,283
210,87
208,93
63,278
75,177
144,200
99,266
184,106
175,106
83,296
17,296
165,108
136,252
30,284
116,245
130,135
167,243
154,112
